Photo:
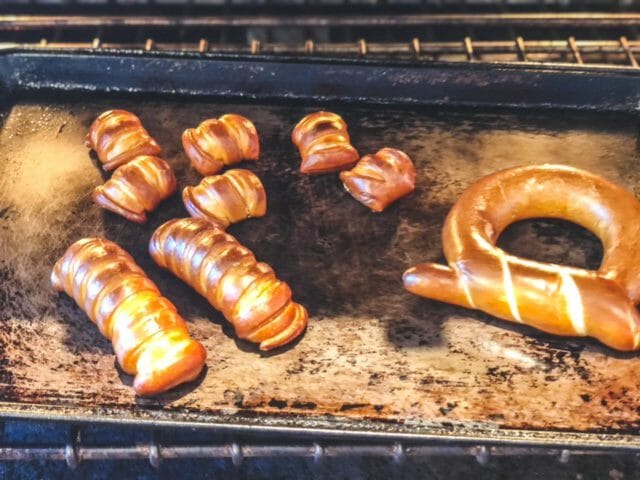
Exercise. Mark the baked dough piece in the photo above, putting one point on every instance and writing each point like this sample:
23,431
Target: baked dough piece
379,180
224,141
324,143
118,137
553,298
149,337
136,188
247,292
228,198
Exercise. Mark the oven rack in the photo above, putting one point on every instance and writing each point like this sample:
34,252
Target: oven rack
158,445
585,39
585,53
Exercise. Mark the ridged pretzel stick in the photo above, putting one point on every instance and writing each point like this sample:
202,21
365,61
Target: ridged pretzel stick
247,292
149,337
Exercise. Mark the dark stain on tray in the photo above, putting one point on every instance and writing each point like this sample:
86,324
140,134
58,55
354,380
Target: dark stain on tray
372,352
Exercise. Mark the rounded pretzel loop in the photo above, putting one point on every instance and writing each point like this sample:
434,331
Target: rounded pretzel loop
556,299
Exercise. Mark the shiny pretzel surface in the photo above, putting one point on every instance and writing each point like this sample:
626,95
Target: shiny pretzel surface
228,198
220,142
136,188
258,305
117,136
380,179
324,143
556,299
149,337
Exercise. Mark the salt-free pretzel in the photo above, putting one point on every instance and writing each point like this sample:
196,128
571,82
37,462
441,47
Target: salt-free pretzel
149,337
220,142
228,198
380,179
556,299
324,143
136,188
226,273
117,136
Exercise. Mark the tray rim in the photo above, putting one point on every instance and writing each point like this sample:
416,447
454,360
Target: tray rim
467,433
399,82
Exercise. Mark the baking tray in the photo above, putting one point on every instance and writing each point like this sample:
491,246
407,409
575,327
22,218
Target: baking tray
375,362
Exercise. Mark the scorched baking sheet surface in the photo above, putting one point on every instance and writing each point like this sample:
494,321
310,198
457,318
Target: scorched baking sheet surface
372,353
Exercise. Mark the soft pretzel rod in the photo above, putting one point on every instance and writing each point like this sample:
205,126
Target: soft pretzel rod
324,143
136,188
556,299
229,198
220,142
247,292
117,136
380,179
149,337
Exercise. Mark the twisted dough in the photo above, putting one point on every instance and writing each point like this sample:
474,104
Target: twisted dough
247,292
378,180
149,337
324,143
225,199
118,137
556,299
219,142
136,188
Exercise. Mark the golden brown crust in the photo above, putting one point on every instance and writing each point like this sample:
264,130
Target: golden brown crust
379,180
149,337
247,292
225,199
557,299
324,143
118,137
225,141
136,188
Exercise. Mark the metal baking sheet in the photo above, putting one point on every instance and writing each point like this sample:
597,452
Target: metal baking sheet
375,360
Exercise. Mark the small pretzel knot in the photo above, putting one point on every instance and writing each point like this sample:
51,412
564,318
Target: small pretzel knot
556,299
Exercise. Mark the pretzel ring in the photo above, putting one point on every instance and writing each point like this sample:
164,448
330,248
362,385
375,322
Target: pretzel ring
556,299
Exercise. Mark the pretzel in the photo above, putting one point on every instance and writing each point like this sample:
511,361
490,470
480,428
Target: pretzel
217,143
324,143
247,292
117,136
556,299
136,188
379,180
149,337
225,199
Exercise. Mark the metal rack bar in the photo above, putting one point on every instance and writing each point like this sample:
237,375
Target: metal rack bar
483,20
468,48
583,52
155,452
575,51
521,49
483,46
624,43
